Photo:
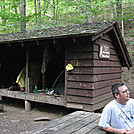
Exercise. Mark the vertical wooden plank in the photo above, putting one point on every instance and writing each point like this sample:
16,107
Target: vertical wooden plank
27,106
43,70
0,98
27,71
66,74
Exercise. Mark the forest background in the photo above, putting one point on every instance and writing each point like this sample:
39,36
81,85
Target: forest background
23,15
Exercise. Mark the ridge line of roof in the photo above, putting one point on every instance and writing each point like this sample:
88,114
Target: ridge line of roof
70,30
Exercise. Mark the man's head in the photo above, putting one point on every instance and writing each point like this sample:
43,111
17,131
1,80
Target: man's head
120,92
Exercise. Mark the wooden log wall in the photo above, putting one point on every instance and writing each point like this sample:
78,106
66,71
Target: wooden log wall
89,84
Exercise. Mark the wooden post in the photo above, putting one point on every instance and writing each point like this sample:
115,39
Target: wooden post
27,106
43,81
27,72
43,69
0,98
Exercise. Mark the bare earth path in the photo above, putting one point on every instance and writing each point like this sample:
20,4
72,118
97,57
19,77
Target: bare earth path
14,120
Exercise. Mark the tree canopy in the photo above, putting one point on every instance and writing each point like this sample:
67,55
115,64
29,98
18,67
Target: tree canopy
22,15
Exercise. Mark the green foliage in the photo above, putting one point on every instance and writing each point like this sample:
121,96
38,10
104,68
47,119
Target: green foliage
61,12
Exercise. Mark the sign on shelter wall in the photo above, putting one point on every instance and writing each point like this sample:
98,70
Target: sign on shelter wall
104,52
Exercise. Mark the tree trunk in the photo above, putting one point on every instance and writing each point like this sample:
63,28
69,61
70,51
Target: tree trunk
16,12
89,17
46,5
3,10
53,10
111,6
122,24
23,14
120,14
119,8
35,10
39,11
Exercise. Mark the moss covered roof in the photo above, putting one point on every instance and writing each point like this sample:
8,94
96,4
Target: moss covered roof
56,32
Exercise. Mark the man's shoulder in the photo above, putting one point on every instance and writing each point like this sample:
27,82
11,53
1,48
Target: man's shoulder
111,104
131,100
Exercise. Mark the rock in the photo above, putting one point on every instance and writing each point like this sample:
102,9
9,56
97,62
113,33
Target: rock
1,108
42,119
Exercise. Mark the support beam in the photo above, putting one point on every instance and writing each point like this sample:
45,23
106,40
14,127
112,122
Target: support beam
27,106
27,71
0,98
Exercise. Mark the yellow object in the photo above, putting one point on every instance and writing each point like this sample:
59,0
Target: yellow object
69,67
34,75
21,78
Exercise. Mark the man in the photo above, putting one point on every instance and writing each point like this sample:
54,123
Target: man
118,115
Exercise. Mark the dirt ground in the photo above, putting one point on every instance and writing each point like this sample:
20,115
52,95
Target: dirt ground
14,120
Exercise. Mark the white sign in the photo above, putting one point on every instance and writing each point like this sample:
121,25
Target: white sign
104,52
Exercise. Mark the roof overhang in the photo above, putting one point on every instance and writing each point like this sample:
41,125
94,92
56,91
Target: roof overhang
114,30
94,30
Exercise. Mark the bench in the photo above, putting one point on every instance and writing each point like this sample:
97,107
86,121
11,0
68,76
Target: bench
79,122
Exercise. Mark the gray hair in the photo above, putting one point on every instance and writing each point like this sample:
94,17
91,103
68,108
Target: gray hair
115,88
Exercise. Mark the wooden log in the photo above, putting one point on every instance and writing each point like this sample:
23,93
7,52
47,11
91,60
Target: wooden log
79,124
93,78
27,106
60,122
95,63
87,100
90,85
0,98
88,128
95,70
43,98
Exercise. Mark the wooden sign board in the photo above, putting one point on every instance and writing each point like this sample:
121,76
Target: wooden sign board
104,52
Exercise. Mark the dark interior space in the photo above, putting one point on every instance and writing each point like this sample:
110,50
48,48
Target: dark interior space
13,60
55,68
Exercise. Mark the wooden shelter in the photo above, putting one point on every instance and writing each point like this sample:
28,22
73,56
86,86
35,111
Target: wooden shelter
96,51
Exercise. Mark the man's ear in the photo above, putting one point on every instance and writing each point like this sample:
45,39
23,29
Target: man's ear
116,96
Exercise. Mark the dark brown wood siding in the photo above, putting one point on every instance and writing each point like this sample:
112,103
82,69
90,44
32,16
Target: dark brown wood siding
88,85
110,71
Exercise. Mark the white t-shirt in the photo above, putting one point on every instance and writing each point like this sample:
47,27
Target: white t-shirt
117,115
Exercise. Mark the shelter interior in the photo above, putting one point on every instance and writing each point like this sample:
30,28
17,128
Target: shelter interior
45,61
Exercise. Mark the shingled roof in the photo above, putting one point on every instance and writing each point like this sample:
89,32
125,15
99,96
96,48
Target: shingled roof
57,32
95,30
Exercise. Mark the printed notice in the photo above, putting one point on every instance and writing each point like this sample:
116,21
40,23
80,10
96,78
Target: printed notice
104,52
